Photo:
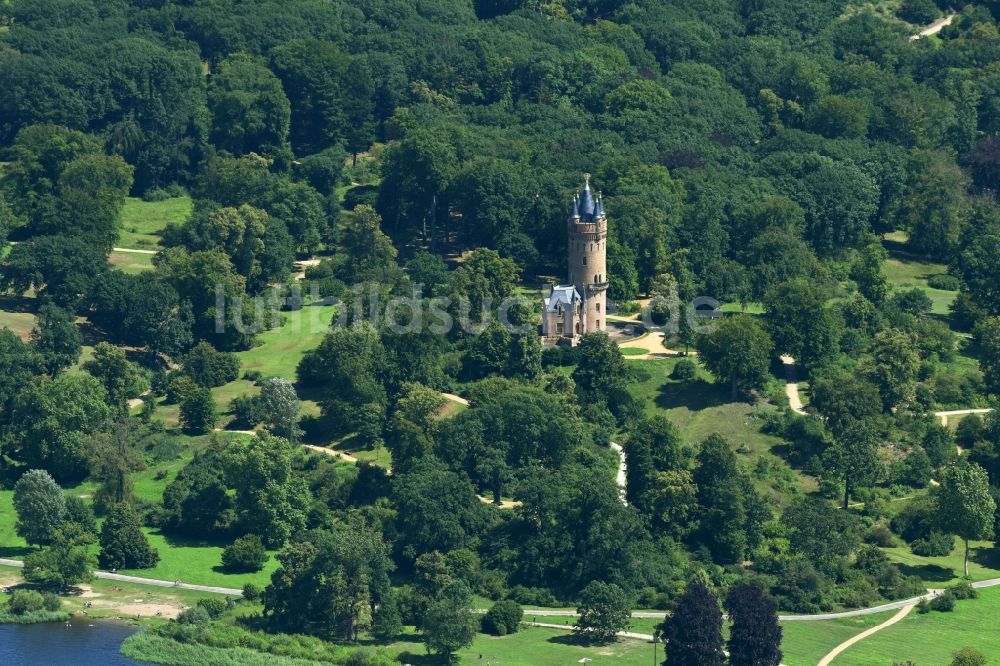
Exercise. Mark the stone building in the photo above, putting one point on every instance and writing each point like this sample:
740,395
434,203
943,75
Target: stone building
580,306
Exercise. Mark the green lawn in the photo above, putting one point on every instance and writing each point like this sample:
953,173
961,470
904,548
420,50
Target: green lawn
905,272
281,349
20,323
805,643
532,647
11,545
943,571
935,637
142,221
700,408
131,262
196,562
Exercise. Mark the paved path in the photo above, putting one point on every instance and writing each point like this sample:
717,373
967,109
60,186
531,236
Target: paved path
107,575
129,250
934,28
959,412
792,387
828,659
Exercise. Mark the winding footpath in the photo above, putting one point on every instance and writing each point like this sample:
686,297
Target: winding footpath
835,652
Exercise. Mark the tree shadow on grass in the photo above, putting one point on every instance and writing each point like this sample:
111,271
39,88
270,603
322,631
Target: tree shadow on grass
15,551
181,541
695,395
415,659
988,558
931,572
12,303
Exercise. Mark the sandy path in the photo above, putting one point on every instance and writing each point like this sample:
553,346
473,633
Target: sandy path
959,412
347,457
792,387
934,28
129,250
455,398
828,659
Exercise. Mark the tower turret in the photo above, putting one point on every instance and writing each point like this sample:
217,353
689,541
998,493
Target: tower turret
587,257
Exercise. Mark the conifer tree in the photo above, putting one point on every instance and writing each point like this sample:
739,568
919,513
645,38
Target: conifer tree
123,545
693,632
755,638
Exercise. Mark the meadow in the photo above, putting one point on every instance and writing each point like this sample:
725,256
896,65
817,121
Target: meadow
934,638
142,222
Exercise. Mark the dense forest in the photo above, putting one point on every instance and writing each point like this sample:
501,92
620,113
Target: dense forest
776,156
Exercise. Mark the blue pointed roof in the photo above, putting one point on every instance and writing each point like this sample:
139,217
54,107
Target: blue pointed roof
587,201
576,208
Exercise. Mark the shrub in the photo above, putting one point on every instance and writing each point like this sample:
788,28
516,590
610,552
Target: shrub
245,555
246,410
503,618
25,601
963,591
934,545
946,282
924,607
943,603
251,592
210,368
155,194
360,195
685,370
969,657
51,602
628,308
214,606
533,596
196,615
252,375
880,535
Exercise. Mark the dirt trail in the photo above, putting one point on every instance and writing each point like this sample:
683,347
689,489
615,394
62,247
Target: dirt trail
792,387
835,652
934,28
347,457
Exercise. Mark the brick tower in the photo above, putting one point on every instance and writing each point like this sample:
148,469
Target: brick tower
587,247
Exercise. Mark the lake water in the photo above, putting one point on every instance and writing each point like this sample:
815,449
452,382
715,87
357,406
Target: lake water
54,644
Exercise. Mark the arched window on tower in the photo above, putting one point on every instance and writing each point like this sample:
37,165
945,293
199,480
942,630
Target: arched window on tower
584,260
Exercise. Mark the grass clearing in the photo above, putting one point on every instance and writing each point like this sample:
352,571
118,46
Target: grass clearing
937,572
906,271
700,408
805,643
131,262
144,221
531,646
196,561
934,638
